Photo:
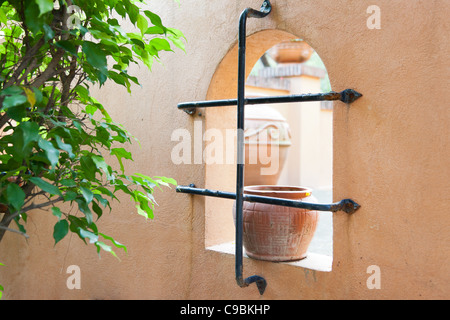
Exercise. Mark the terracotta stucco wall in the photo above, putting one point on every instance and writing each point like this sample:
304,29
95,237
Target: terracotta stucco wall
391,151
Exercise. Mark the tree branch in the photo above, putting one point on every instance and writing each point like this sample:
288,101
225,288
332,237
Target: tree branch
51,70
29,56
40,205
9,217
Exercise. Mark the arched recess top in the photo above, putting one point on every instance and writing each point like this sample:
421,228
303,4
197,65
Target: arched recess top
224,82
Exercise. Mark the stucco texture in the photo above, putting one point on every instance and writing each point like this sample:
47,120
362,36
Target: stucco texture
391,155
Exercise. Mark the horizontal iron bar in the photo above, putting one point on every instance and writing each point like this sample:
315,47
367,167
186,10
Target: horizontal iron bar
346,205
347,96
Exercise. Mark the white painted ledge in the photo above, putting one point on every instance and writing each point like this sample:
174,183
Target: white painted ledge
313,261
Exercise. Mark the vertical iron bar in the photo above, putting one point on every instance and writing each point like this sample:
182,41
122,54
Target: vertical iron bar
240,150
260,282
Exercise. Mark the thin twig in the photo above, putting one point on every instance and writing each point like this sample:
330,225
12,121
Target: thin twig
15,231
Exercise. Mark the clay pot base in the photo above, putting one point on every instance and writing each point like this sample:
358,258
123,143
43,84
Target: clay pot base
274,258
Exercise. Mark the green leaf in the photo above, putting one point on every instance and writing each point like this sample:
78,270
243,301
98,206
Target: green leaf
97,209
116,243
49,33
147,214
160,44
83,207
132,10
44,6
148,178
68,182
87,194
76,224
15,195
13,90
155,30
142,24
143,203
104,191
121,153
168,180
51,152
101,164
17,113
33,18
145,57
178,43
64,146
91,108
60,230
82,92
101,245
137,40
57,212
93,238
70,195
14,100
45,186
68,46
155,19
21,227
95,56
118,78
119,7
88,167
3,18
23,139
30,132
104,112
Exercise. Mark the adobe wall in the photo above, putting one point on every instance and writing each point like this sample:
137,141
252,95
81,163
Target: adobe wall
391,151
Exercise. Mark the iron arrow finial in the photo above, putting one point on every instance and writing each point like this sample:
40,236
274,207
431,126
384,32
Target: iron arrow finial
350,95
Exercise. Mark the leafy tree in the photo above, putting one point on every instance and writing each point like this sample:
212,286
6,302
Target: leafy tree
56,139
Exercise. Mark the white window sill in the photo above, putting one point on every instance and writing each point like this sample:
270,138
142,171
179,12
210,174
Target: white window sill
313,261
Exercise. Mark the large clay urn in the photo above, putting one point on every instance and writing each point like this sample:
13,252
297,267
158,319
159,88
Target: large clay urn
296,51
267,139
277,233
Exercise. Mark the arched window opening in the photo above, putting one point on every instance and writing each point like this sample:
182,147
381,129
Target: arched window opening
308,144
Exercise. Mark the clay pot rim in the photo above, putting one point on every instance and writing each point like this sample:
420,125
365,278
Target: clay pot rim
279,191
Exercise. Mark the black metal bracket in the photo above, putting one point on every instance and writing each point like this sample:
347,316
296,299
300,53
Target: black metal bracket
346,96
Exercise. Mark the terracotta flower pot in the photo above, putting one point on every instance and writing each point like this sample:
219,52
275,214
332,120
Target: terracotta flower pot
276,233
267,138
292,52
